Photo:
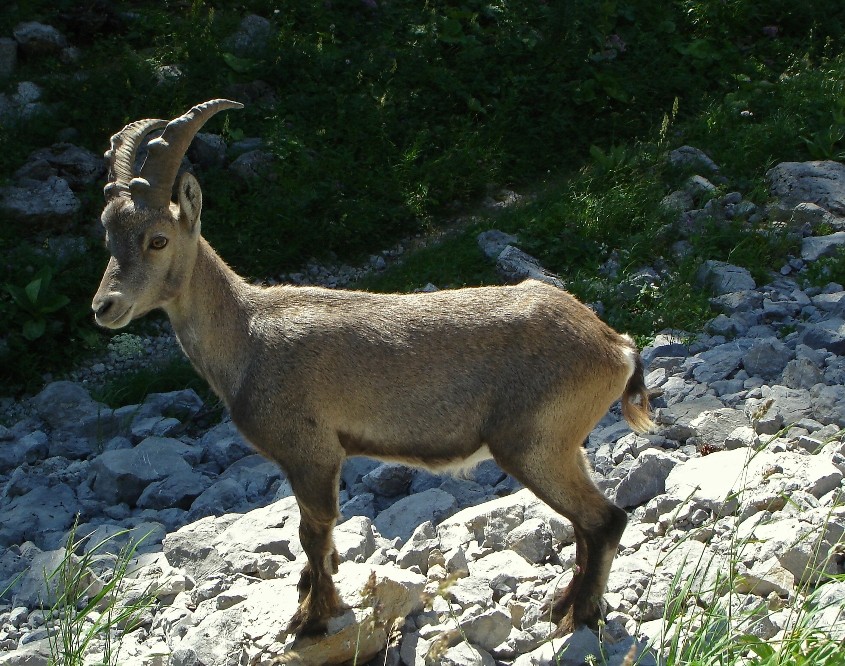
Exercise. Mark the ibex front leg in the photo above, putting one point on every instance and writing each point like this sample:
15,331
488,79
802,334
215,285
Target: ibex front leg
316,488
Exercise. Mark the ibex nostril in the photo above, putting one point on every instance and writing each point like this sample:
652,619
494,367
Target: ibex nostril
103,307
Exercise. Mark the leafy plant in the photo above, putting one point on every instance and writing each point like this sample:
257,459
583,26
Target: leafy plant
825,270
36,301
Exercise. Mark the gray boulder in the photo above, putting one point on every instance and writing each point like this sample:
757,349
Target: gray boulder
766,359
738,301
72,448
815,216
254,165
354,539
816,247
388,479
492,242
487,628
252,36
224,445
713,427
255,474
517,265
37,39
207,150
487,473
354,469
178,490
720,480
802,373
403,517
60,403
182,404
819,182
724,278
77,166
828,334
691,157
646,479
716,363
833,302
155,447
828,604
361,505
29,448
222,496
677,201
122,475
417,549
37,515
700,188
38,587
531,540
38,202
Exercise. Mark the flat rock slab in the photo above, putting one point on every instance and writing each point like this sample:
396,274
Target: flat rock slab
717,480
828,334
403,517
816,247
39,202
257,623
818,182
37,514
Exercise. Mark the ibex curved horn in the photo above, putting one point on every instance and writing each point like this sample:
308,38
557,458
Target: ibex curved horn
154,184
121,155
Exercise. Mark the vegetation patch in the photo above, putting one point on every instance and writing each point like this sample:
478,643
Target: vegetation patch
385,120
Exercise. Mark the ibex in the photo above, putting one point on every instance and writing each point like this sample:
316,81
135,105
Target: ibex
310,376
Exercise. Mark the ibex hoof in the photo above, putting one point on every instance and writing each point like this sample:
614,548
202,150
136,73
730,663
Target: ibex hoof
566,625
571,621
302,624
557,608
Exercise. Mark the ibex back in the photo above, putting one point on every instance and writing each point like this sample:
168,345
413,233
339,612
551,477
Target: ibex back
520,373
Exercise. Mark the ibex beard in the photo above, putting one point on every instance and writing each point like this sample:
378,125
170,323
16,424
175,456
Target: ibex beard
311,375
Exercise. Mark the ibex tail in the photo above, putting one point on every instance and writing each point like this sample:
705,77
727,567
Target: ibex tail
637,413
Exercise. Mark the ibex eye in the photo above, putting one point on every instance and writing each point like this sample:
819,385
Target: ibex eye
158,242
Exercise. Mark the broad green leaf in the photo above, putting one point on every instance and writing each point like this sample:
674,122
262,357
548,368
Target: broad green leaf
53,303
33,289
18,295
239,65
760,648
34,328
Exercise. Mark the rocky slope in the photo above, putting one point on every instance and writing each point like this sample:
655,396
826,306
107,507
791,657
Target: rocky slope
735,501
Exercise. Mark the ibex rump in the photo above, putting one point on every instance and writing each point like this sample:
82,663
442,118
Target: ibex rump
520,373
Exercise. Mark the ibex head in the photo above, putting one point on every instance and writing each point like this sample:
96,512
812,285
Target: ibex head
152,238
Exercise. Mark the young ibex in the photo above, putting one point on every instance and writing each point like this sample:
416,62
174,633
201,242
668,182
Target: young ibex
310,376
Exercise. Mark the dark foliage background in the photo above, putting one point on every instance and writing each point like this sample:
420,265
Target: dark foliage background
387,118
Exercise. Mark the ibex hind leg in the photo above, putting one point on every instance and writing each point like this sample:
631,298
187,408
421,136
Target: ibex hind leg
558,475
316,493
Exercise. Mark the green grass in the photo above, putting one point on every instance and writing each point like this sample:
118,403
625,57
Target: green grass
453,262
92,609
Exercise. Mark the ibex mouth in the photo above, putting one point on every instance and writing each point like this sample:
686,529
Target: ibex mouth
107,318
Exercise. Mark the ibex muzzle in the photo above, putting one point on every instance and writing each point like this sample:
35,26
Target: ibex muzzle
310,376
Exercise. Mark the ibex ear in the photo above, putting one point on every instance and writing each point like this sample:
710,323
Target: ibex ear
189,196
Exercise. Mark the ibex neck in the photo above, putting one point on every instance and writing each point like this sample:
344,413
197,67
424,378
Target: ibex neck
210,319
